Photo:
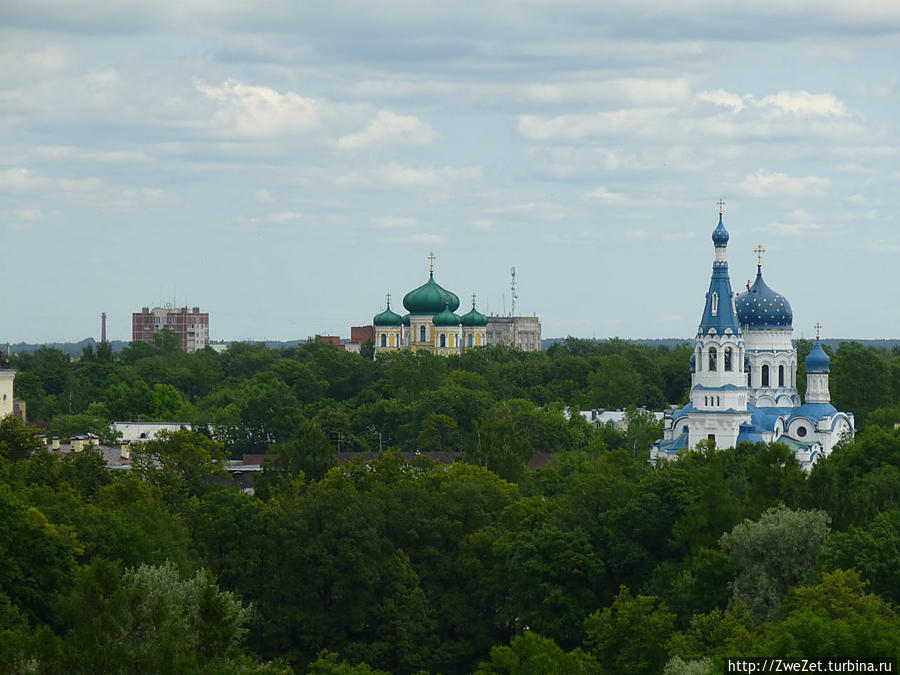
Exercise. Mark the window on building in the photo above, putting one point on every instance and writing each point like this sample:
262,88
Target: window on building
780,376
801,431
712,358
715,304
384,340
765,376
469,341
421,333
728,358
443,340
712,437
749,378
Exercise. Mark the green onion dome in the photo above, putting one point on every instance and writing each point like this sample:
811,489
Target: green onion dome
430,298
473,318
406,319
446,317
388,318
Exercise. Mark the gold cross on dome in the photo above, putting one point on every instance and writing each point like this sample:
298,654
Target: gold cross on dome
721,204
431,262
388,298
818,328
759,250
473,301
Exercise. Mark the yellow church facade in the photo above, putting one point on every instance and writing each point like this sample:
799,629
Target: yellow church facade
431,323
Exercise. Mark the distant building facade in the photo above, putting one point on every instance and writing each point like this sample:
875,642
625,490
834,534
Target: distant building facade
192,327
7,375
521,332
141,432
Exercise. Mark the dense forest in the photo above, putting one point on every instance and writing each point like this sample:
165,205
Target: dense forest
598,563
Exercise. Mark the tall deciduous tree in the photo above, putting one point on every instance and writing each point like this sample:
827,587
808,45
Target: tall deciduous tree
772,554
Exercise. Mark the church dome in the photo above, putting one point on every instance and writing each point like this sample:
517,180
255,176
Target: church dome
720,234
387,318
818,361
446,318
761,307
473,318
430,298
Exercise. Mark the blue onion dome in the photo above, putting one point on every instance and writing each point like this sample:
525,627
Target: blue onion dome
429,298
761,307
720,234
388,318
446,317
473,318
818,361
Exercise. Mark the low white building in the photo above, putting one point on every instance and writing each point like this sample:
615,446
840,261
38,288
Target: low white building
141,432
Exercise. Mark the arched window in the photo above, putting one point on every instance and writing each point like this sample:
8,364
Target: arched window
749,378
384,339
443,340
699,359
712,358
780,376
421,333
469,341
728,358
765,376
715,304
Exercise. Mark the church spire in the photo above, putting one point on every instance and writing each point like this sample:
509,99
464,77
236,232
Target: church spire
718,314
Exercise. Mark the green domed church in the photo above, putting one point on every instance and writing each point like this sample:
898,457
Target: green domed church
431,323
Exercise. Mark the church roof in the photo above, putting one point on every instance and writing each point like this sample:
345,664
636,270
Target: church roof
761,307
818,361
387,318
718,312
749,434
813,411
446,317
473,317
430,298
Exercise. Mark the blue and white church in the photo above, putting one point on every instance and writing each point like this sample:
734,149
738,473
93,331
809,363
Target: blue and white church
744,376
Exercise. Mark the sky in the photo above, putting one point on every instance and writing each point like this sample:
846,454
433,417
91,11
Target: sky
283,165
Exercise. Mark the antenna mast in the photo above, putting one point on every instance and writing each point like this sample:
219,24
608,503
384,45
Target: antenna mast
513,296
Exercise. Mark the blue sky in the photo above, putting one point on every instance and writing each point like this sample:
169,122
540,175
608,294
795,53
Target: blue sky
285,164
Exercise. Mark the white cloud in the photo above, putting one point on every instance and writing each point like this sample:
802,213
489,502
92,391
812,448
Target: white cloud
575,128
20,179
261,112
803,104
80,186
263,196
765,184
484,225
29,215
405,175
424,238
393,222
636,91
800,104
388,127
605,196
43,62
792,229
71,153
722,98
284,217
